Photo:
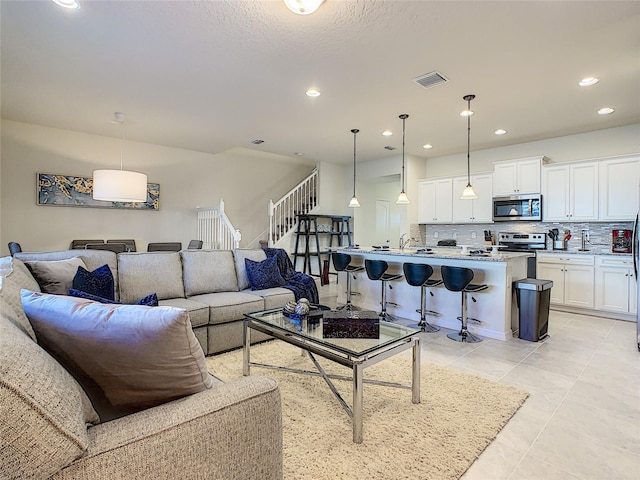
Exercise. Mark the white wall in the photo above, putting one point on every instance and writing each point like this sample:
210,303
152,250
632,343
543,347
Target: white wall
245,178
601,143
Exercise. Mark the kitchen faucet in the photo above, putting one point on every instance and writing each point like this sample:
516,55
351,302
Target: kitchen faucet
403,242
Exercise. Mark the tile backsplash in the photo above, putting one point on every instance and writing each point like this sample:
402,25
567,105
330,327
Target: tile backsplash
473,234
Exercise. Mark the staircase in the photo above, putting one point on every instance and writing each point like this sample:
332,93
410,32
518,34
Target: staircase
216,230
301,200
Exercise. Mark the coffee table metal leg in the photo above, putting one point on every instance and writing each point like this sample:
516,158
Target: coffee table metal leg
246,346
415,375
357,402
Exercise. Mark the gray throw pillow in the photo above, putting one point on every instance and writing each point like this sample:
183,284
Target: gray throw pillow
55,276
126,357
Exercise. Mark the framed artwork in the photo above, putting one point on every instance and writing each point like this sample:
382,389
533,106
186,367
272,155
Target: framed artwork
75,191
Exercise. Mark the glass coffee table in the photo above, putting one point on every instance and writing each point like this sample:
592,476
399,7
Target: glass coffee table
354,353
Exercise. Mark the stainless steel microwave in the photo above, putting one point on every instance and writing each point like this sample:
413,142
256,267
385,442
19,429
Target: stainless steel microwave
517,207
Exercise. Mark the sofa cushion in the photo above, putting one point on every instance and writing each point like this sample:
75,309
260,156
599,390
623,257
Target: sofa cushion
273,297
98,282
240,254
43,410
142,273
55,276
10,303
208,271
198,312
127,357
150,300
264,274
229,306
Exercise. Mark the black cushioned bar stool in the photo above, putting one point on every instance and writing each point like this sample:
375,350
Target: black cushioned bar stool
376,270
458,279
342,263
418,275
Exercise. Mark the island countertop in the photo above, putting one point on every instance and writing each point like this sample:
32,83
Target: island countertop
453,253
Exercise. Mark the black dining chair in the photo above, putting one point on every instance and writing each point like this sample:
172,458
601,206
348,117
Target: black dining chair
81,244
111,247
164,247
14,247
130,244
195,245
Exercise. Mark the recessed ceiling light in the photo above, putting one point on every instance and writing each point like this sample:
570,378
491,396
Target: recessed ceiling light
389,147
303,7
605,111
466,113
387,133
71,4
500,131
298,154
588,81
257,141
427,146
313,92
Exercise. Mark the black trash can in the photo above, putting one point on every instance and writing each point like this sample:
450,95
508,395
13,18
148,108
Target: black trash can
532,296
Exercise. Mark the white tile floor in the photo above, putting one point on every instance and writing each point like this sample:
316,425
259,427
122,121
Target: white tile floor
582,419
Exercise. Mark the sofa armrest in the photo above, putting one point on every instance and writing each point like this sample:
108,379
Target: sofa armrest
232,431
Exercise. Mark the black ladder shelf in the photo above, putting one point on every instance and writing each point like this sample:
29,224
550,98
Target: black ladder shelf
307,248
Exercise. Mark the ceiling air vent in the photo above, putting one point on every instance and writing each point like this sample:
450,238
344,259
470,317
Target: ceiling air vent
389,147
429,80
257,141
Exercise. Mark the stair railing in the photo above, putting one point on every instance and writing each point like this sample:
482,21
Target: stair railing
302,199
216,230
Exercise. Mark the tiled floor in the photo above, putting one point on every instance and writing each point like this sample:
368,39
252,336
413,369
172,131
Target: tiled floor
582,419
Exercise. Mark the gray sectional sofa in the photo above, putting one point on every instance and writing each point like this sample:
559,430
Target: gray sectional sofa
211,285
49,428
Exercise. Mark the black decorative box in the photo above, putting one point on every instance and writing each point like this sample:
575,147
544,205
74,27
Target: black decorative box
350,324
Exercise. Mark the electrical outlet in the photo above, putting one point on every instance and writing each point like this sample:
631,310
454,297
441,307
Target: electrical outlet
435,235
473,234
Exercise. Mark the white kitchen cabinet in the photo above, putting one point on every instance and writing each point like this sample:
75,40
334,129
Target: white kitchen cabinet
434,200
572,276
619,188
615,284
570,192
473,211
517,176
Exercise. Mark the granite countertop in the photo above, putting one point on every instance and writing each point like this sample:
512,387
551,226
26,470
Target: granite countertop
453,253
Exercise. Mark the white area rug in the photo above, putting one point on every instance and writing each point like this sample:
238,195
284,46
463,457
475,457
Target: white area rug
439,438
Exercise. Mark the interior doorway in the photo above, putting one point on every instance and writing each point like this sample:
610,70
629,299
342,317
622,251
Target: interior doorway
383,221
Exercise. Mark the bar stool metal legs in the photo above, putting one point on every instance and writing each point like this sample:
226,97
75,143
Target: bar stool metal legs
458,279
342,263
418,275
376,271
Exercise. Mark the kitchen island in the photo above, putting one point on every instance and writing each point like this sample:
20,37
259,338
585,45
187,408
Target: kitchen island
495,307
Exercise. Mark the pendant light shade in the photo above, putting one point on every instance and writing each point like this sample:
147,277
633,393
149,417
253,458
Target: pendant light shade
354,203
402,198
119,185
468,193
303,7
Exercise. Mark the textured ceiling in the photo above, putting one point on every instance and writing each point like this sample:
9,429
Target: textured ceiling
213,75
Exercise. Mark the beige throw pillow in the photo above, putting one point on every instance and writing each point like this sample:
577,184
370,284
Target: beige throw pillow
127,357
55,276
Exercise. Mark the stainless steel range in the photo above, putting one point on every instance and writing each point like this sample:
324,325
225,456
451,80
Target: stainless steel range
524,243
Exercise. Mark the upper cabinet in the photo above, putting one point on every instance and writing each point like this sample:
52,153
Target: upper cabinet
434,200
473,211
570,192
516,177
619,193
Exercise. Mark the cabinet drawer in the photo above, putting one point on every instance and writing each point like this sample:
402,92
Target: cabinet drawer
567,259
612,261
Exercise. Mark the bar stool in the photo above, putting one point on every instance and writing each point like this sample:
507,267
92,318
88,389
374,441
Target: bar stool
342,263
458,279
376,270
418,275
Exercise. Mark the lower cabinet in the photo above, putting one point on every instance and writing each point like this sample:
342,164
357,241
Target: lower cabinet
572,277
616,288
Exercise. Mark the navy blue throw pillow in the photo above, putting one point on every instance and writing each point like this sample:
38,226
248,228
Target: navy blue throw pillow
264,274
150,300
99,282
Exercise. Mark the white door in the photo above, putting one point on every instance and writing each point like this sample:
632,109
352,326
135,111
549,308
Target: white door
383,217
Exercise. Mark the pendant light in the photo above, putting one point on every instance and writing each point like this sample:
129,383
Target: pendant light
468,193
354,203
402,198
303,7
119,185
